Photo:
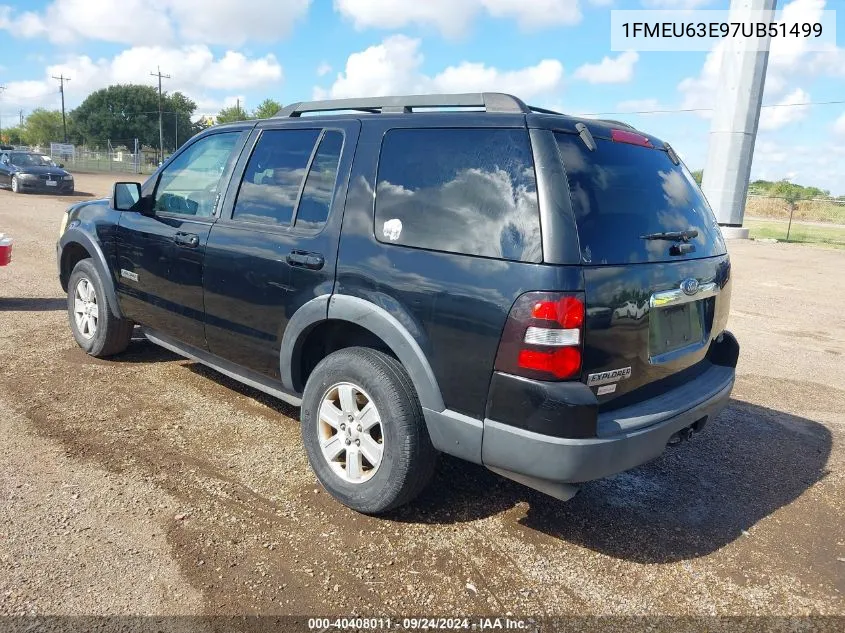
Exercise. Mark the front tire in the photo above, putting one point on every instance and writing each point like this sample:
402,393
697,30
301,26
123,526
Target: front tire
96,330
364,431
16,187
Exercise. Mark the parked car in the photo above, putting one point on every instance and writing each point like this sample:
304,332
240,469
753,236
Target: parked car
29,171
418,281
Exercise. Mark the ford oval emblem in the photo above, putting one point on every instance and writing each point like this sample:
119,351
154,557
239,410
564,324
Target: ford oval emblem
689,286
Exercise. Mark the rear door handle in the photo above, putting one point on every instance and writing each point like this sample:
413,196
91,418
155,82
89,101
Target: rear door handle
304,259
188,240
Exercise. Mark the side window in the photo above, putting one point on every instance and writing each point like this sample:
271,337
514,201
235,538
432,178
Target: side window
317,194
470,191
273,176
189,185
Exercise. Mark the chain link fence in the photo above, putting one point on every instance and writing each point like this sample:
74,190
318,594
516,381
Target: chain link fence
108,157
819,221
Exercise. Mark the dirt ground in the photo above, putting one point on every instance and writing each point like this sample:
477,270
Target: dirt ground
151,485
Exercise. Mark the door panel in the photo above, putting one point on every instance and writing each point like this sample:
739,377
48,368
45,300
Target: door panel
274,254
161,252
159,281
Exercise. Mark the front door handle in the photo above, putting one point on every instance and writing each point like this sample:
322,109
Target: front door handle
188,240
304,259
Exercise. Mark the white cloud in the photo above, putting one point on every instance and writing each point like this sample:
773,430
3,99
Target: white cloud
789,60
839,126
193,70
601,3
609,70
787,110
393,67
324,69
814,165
223,22
452,17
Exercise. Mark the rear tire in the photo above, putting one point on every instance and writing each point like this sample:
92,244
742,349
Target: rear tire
96,330
352,388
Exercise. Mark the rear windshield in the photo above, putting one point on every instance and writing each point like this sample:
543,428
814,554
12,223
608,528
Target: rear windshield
622,192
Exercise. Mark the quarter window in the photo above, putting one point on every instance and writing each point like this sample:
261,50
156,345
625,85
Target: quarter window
319,185
274,175
470,191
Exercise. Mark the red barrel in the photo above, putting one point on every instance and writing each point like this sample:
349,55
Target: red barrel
5,250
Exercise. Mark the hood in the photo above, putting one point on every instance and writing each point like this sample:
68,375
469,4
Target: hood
41,171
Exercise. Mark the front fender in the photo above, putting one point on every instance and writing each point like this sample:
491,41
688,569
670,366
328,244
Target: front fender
76,235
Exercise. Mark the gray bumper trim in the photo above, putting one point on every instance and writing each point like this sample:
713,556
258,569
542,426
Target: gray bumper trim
565,460
666,405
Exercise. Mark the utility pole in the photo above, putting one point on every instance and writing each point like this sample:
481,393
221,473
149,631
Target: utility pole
21,113
160,125
62,79
239,108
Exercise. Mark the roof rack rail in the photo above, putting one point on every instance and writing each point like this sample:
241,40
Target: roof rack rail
543,110
490,101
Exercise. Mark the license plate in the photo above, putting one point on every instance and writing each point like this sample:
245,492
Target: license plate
52,183
675,327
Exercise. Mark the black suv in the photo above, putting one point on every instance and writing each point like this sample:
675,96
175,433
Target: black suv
465,274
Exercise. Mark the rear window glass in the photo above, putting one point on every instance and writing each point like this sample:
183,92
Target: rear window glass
622,192
469,191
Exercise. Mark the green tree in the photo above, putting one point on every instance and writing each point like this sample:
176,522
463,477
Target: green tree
788,191
266,109
698,175
43,126
122,113
13,135
232,114
179,110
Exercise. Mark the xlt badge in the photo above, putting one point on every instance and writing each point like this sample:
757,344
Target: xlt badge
604,377
127,274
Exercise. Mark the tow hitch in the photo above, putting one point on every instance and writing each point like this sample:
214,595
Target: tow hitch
685,434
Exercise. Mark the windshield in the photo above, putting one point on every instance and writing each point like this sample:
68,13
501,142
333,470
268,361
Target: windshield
30,160
622,193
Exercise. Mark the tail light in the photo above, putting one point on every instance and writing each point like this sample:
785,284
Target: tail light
632,138
543,337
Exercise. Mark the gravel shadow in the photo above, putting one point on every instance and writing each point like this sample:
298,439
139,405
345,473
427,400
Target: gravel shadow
692,501
32,304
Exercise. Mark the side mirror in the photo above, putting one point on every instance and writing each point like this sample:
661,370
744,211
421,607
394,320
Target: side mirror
125,195
61,165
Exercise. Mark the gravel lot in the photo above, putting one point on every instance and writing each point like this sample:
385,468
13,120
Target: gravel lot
151,485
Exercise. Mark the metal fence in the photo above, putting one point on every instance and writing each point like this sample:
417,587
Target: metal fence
111,159
820,221
93,160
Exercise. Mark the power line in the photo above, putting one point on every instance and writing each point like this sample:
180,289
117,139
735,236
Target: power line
160,124
771,105
62,79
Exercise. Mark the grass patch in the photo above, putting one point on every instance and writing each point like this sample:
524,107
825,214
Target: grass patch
809,210
806,233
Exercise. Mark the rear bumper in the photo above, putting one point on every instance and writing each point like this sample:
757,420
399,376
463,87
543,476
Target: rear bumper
623,442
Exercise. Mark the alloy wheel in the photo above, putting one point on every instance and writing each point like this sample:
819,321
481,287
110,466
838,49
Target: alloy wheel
350,433
86,312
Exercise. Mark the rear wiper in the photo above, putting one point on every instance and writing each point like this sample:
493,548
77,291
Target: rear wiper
672,236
